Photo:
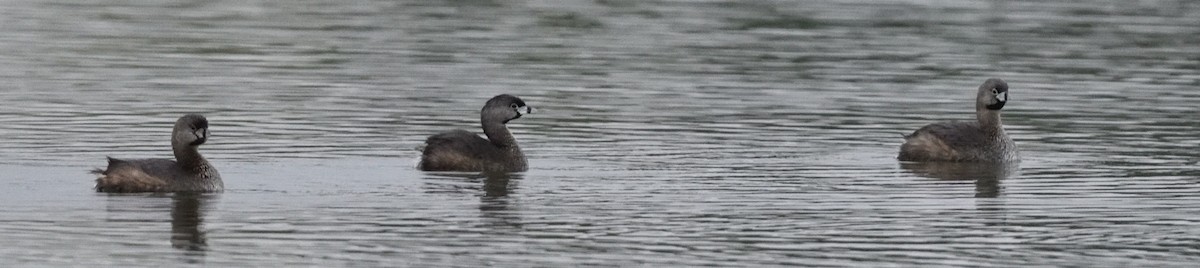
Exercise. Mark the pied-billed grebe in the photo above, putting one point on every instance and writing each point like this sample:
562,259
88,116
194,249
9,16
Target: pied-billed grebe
189,172
980,141
461,150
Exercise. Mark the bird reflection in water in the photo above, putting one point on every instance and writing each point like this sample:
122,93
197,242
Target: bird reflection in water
187,218
987,176
186,211
493,188
496,205
498,184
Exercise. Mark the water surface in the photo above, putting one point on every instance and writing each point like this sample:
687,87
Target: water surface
691,133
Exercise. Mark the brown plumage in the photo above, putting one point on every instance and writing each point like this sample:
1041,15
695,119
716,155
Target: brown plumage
189,172
461,150
981,141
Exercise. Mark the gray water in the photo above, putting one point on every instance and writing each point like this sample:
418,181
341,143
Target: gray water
690,133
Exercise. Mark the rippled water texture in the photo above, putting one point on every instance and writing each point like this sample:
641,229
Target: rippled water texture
691,133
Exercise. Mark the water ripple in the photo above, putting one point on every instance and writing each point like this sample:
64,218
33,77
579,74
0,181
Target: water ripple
670,134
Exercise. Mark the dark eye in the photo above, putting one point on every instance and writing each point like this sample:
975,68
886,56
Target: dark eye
514,106
995,92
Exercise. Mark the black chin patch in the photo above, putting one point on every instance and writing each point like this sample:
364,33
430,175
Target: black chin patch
996,106
198,141
514,117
